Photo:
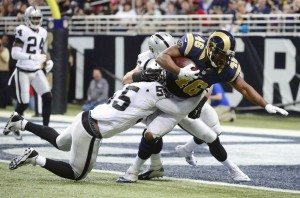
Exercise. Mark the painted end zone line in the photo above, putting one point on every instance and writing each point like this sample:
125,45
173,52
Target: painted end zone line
201,182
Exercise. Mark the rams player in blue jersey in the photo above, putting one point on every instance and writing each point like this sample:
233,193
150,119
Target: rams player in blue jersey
214,59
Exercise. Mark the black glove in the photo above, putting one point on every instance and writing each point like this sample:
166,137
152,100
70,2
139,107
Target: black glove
197,111
148,75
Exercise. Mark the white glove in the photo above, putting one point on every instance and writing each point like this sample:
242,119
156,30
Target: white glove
49,66
188,73
273,109
38,57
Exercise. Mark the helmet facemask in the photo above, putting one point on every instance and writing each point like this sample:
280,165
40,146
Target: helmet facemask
217,56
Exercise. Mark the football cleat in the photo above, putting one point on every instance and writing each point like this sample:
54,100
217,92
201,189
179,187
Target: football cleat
189,156
17,135
130,176
149,174
29,157
238,175
13,124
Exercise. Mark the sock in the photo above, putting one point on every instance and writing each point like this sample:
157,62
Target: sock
40,160
190,146
47,133
229,164
156,162
23,124
137,164
217,150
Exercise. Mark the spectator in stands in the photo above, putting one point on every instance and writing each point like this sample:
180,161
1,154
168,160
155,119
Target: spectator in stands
185,8
171,8
241,11
112,8
152,8
262,7
4,75
296,6
97,91
126,11
140,7
221,104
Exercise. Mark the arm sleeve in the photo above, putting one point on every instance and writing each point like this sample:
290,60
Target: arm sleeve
17,54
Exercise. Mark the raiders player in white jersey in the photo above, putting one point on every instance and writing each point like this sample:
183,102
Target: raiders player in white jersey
208,125
30,70
83,137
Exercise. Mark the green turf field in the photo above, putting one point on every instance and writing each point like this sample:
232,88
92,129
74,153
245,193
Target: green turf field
31,181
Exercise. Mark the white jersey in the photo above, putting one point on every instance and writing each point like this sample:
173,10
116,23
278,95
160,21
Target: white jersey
128,106
33,44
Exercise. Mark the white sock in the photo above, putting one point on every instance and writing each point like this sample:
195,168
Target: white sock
229,164
190,146
40,160
156,162
23,124
137,164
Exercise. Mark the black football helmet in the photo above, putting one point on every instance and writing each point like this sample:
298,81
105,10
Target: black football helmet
220,48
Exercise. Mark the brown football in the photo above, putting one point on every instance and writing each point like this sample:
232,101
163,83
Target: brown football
182,62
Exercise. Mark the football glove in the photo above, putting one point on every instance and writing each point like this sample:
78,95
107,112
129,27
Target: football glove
187,72
38,57
49,66
197,111
273,109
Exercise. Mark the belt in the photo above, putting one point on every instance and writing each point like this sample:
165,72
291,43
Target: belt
91,125
27,71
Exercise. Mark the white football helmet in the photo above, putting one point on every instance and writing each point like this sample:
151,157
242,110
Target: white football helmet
33,17
160,41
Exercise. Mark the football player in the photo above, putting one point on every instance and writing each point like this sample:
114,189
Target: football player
30,69
83,137
208,125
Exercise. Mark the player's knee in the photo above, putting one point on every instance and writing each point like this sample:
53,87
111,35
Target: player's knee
148,136
145,149
217,150
47,98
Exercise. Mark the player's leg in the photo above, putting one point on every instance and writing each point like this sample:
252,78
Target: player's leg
41,86
22,82
202,131
84,151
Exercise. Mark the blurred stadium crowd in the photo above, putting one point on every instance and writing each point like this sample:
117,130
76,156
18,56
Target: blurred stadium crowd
157,7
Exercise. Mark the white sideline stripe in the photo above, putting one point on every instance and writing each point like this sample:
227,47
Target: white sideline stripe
202,182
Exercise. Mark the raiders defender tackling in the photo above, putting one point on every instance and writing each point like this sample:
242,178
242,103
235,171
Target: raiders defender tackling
30,70
207,125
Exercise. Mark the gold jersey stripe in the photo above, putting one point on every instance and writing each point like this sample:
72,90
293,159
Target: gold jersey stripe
190,43
238,71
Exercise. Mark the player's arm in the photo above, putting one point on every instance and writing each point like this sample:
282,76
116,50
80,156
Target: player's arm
250,94
164,59
128,76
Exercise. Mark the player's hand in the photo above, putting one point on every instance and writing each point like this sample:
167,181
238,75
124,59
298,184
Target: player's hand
188,73
49,66
273,109
38,57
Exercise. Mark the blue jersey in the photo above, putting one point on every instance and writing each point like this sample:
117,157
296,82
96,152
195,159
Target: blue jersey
192,46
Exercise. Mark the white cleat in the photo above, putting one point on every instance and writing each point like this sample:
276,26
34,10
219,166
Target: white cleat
13,124
189,156
29,157
238,175
130,176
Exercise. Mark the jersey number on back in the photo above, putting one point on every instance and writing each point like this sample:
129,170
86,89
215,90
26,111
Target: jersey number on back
32,44
124,98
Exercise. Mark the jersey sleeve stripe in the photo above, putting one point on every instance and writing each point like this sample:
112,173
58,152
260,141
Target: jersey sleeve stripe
190,42
238,71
